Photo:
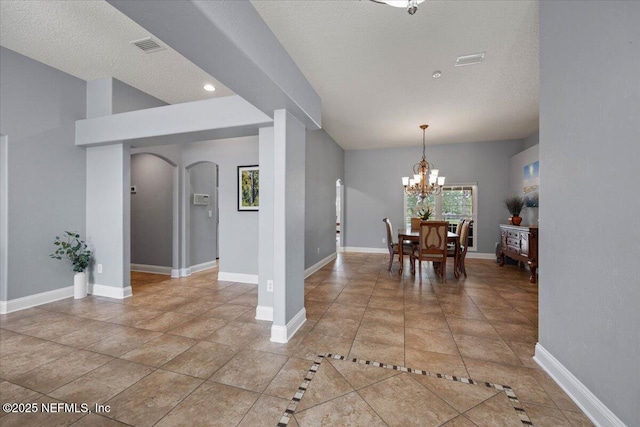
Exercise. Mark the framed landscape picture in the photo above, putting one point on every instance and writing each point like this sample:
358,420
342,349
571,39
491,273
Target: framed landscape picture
532,184
248,188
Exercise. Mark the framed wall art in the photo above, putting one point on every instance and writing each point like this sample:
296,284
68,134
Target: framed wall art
248,188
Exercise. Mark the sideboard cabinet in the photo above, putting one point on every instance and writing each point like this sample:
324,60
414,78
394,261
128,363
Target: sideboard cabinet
521,244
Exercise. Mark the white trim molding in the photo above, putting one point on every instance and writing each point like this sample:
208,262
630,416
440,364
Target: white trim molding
175,273
29,301
282,334
238,277
317,266
110,291
184,272
366,250
156,269
204,266
578,392
264,313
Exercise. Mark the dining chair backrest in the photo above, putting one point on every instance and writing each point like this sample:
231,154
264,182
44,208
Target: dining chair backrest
433,237
464,234
459,227
387,223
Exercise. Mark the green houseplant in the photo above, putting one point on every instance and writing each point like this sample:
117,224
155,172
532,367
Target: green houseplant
75,250
514,205
422,213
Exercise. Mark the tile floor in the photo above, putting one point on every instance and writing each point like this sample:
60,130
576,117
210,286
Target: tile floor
189,352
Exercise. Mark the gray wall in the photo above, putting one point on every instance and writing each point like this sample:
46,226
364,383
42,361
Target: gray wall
374,187
516,180
151,210
531,140
46,194
590,227
127,98
324,165
238,231
203,228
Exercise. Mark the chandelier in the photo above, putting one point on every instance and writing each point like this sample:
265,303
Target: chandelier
411,5
425,179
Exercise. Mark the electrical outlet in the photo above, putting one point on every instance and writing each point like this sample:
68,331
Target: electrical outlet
318,251
384,240
99,268
269,285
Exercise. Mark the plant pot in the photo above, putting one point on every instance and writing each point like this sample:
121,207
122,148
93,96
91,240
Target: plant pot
516,220
80,285
415,224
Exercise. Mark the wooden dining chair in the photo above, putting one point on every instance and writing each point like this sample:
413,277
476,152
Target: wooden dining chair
433,245
407,248
464,246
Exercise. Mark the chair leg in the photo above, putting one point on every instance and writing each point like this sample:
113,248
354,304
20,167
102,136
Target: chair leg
444,269
390,260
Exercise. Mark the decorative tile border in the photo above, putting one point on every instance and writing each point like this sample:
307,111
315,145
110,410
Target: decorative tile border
288,413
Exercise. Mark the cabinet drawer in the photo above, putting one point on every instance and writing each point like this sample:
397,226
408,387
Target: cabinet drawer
513,233
515,242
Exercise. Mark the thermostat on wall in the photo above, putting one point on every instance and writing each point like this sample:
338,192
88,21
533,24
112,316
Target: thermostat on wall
200,199
133,189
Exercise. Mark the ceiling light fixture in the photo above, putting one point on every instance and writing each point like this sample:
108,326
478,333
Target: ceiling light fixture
425,179
410,5
209,87
437,74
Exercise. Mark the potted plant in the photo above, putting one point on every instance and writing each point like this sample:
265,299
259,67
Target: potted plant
423,214
514,205
76,251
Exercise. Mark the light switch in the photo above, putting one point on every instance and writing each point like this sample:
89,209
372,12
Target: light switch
210,214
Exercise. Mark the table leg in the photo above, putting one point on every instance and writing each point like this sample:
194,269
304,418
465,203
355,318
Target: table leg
456,255
400,255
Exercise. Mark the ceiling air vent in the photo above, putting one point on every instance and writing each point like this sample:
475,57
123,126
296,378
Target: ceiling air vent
147,45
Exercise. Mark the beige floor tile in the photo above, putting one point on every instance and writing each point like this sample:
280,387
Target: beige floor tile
495,412
123,341
436,362
327,384
344,311
19,354
136,315
211,404
266,412
54,374
228,311
495,350
435,341
432,322
460,396
382,332
578,419
237,334
476,328
42,418
103,383
384,315
91,332
390,398
459,421
544,416
250,370
95,420
199,328
201,360
160,350
147,401
286,382
359,375
378,352
163,322
337,327
315,343
13,393
349,411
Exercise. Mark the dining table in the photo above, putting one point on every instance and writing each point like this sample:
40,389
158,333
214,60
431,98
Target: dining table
413,236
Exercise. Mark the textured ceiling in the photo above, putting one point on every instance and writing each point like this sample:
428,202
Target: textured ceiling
90,40
372,64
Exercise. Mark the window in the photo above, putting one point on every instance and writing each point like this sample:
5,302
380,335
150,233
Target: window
456,202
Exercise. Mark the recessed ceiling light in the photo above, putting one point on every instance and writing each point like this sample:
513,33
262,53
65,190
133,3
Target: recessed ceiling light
437,74
209,88
476,58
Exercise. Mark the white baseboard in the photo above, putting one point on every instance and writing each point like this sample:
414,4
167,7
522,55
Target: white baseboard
238,277
157,269
481,255
366,250
264,313
282,334
175,273
204,266
593,408
110,291
34,300
318,265
184,272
